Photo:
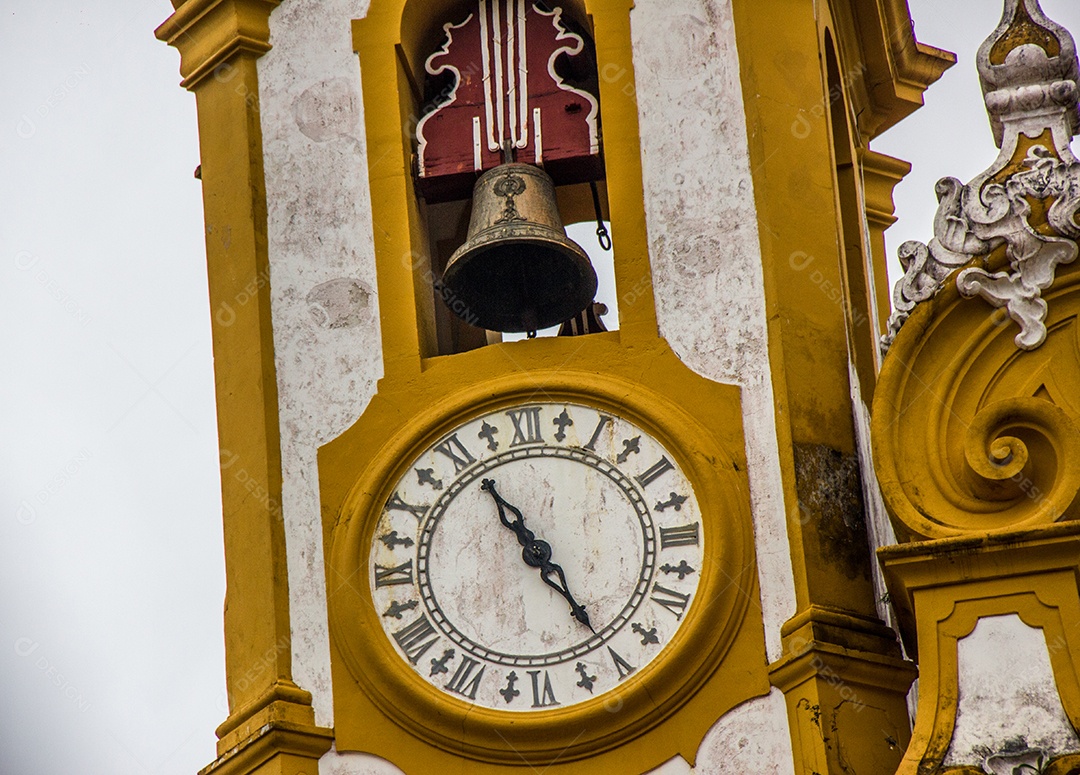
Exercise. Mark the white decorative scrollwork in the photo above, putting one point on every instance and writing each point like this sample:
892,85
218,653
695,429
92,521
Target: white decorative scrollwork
1031,91
1033,257
1028,760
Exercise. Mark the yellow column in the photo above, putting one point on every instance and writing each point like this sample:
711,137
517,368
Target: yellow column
841,671
271,724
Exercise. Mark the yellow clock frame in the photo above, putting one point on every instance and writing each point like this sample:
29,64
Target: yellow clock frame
715,663
644,699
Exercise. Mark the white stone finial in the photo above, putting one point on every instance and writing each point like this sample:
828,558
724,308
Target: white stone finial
1031,85
1028,67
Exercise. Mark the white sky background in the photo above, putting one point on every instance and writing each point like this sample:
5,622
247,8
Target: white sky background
111,560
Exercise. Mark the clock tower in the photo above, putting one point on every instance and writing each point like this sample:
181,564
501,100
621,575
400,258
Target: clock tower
641,540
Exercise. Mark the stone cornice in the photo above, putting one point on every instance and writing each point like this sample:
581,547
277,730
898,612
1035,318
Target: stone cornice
274,739
916,64
826,661
881,175
208,33
900,68
283,701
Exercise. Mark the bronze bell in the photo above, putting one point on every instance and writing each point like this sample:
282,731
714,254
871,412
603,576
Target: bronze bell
517,271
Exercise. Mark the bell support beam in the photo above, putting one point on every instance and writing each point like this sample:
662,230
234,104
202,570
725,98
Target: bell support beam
271,725
838,658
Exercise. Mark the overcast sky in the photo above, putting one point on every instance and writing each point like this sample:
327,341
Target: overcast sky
111,564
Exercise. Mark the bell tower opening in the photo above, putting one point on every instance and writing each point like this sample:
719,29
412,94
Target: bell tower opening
506,83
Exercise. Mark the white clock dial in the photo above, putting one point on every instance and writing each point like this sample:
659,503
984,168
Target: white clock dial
537,556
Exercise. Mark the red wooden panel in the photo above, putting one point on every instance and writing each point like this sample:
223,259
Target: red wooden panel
505,91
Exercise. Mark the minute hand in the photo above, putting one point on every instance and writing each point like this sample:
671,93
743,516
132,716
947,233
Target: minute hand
536,553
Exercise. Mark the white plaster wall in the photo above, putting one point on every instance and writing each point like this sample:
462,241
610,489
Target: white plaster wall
753,737
704,244
1008,696
879,529
322,274
334,763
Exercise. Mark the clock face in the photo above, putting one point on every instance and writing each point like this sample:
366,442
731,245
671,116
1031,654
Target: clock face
536,557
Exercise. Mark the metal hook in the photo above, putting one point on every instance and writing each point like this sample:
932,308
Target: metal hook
602,235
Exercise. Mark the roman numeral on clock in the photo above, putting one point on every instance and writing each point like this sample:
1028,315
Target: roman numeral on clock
604,420
658,469
624,667
397,504
671,600
399,574
542,698
416,638
464,682
681,535
526,425
455,450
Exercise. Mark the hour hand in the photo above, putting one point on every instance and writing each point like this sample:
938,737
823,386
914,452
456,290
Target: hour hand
524,535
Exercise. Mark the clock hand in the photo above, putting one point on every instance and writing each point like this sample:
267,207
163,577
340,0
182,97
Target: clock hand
577,611
535,552
524,535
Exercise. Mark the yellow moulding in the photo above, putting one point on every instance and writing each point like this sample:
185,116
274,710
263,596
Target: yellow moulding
881,174
219,42
947,585
971,434
209,33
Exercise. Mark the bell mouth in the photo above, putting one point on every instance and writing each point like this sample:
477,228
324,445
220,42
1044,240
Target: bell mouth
532,283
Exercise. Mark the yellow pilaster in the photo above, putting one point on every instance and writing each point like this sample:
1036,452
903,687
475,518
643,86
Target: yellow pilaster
837,655
947,585
271,725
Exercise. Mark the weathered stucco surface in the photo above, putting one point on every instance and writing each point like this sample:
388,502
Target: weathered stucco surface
334,763
751,738
1008,697
704,244
322,270
879,527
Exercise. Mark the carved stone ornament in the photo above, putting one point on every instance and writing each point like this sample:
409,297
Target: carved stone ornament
1013,225
1029,760
976,426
